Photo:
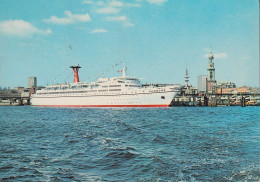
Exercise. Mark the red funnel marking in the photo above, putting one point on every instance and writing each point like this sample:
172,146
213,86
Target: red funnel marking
76,75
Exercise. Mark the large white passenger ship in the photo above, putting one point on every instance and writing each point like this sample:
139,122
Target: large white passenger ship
121,91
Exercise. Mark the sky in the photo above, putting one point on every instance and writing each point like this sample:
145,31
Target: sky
155,39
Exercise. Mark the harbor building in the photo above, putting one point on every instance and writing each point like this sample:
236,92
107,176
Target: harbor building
19,89
202,83
225,84
187,95
32,82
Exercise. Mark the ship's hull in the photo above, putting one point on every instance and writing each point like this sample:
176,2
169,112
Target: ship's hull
103,105
162,99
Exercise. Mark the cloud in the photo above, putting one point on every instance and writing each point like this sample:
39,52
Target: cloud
99,31
112,7
158,2
100,3
108,10
133,5
222,55
69,18
88,2
122,19
116,18
116,4
20,28
128,24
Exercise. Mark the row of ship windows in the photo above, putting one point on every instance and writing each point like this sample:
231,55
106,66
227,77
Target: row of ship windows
80,91
93,91
157,91
92,86
105,86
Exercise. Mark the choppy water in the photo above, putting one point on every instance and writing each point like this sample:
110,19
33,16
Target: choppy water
129,144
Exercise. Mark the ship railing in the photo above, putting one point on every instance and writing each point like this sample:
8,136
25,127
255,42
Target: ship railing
160,85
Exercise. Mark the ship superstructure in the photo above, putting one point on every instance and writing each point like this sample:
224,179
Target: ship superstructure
121,91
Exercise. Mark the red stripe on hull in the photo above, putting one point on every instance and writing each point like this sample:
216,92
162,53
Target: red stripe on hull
103,105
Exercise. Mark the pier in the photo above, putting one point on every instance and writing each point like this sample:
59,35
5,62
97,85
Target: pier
14,98
189,96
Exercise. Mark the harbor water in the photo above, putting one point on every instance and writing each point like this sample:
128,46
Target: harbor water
129,144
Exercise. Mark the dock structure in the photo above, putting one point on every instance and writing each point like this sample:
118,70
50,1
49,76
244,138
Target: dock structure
14,98
189,96
241,96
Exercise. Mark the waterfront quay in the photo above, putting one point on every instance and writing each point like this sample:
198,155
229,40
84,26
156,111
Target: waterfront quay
188,96
14,97
18,95
243,96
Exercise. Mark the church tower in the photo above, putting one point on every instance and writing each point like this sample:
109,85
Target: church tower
211,69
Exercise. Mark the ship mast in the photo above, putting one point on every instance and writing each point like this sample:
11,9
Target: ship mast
124,71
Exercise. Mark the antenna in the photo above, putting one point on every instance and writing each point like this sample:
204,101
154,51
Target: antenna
187,76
